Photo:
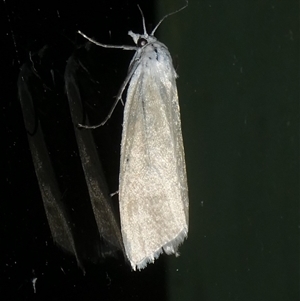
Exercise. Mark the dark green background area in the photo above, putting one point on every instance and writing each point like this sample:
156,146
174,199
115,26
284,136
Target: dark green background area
238,65
238,85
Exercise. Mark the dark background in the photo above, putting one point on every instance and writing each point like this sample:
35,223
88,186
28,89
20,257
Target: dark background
238,63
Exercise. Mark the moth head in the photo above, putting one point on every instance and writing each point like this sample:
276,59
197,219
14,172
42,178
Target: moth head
135,36
141,39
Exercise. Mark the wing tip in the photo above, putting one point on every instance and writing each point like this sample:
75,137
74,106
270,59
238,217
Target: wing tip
169,248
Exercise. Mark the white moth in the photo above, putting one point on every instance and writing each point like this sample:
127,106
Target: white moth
153,190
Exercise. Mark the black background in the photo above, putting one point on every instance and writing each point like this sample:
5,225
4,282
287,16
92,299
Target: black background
238,63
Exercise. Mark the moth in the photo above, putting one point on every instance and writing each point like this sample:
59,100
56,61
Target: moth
153,190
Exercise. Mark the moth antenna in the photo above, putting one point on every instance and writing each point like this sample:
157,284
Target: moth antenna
144,25
168,15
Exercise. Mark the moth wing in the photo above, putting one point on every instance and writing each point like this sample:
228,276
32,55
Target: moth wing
153,187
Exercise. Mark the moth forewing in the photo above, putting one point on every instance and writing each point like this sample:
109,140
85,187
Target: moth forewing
153,188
